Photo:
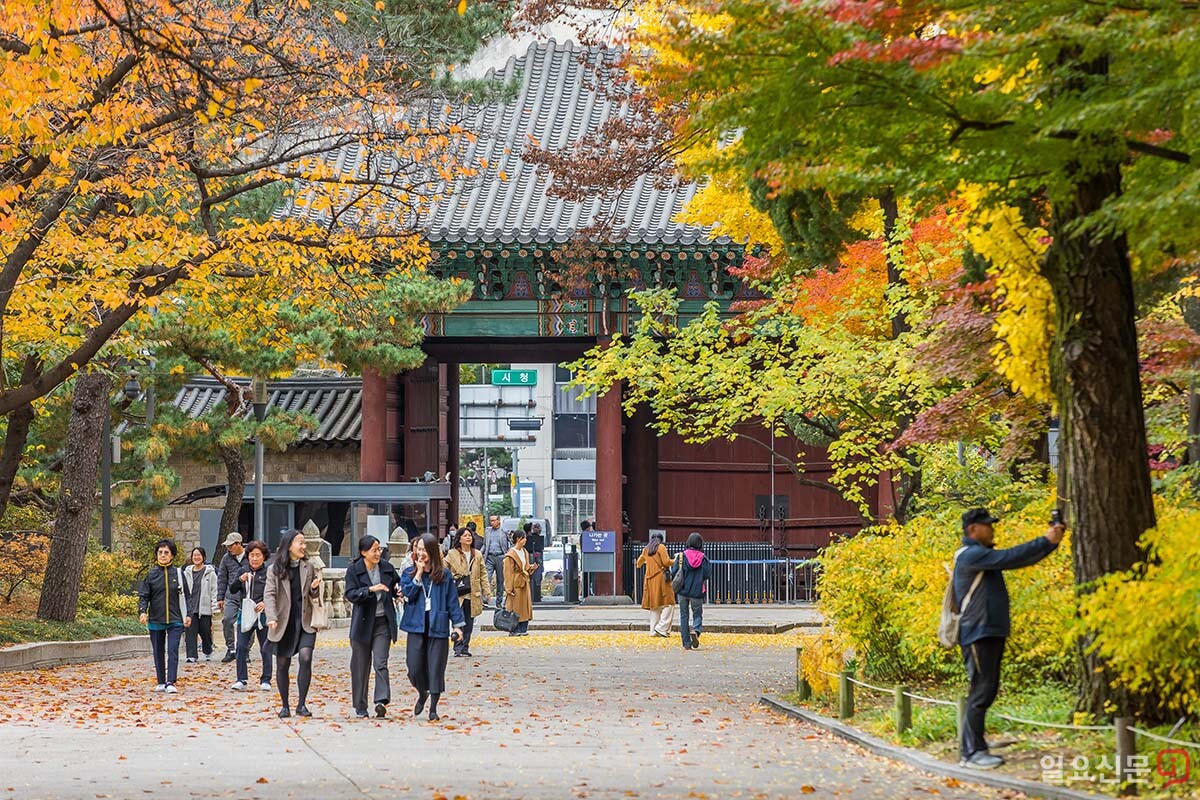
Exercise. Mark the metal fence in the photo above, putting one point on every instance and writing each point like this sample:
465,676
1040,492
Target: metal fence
742,572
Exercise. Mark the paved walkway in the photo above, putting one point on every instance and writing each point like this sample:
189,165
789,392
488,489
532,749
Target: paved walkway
579,715
717,618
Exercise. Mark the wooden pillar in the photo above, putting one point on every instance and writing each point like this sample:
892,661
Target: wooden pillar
372,456
608,476
641,470
452,437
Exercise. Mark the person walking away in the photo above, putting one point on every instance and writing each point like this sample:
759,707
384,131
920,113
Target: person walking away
431,607
657,596
162,608
985,624
696,571
231,566
536,546
466,565
495,545
252,582
372,586
200,592
292,585
517,573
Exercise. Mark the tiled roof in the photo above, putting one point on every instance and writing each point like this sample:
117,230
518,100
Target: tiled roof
556,103
335,403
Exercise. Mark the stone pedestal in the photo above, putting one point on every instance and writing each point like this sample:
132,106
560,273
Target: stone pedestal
397,546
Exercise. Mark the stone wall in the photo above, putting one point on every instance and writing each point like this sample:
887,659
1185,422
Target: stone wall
299,465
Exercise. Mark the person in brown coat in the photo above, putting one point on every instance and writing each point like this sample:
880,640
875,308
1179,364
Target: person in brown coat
657,597
517,596
464,560
293,582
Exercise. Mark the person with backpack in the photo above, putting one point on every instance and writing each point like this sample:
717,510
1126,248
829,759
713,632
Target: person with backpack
689,577
981,623
657,595
162,608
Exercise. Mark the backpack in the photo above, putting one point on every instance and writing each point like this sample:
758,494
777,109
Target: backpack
677,580
948,625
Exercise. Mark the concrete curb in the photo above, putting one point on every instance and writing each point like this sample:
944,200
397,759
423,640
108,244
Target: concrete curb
42,655
922,761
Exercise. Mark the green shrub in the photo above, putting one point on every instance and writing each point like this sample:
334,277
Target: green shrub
136,534
882,591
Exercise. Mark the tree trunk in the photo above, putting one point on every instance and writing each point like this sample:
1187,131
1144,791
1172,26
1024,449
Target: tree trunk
1104,477
907,482
16,437
77,498
235,474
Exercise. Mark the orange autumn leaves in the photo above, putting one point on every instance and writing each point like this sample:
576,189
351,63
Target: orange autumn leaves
854,292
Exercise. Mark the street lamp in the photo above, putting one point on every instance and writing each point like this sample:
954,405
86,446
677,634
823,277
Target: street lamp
110,453
258,399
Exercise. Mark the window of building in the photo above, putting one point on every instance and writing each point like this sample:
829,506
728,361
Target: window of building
576,502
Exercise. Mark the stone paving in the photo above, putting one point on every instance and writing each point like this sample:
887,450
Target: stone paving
570,715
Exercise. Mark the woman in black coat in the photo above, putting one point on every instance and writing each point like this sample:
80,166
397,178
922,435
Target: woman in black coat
372,586
251,581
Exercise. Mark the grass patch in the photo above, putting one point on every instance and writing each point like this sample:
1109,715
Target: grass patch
934,731
21,631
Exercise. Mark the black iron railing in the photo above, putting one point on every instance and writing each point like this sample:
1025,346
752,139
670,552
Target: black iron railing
743,572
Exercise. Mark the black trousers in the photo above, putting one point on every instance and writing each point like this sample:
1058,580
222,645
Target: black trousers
426,658
982,659
464,644
201,626
367,655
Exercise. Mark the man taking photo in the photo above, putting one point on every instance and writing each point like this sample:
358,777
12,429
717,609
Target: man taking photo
982,596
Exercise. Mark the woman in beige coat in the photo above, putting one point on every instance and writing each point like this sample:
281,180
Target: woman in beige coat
464,560
292,585
517,596
657,597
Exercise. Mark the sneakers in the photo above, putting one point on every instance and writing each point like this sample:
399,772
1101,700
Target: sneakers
228,657
208,656
170,689
264,687
239,686
162,687
981,760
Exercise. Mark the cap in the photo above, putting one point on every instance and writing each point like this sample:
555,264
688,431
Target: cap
233,538
978,516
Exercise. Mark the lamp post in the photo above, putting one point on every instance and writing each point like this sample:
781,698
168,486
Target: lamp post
258,398
108,445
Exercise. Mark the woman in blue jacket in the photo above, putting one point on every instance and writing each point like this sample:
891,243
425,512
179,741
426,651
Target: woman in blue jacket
431,604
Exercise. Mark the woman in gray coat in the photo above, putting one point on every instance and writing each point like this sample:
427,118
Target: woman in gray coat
293,582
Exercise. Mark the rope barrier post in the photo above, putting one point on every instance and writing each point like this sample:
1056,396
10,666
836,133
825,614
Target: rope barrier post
903,710
845,696
803,689
1126,750
962,717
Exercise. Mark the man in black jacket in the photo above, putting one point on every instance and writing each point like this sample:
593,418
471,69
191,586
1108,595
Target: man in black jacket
984,625
229,569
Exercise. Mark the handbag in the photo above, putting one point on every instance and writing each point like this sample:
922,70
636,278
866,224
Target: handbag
320,613
677,580
505,620
247,615
463,584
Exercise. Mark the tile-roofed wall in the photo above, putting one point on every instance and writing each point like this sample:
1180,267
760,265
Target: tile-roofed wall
336,404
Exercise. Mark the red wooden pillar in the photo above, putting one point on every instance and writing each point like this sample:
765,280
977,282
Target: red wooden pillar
609,489
641,473
452,438
372,458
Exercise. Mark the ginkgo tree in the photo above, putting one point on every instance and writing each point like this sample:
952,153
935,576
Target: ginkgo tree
1067,129
137,137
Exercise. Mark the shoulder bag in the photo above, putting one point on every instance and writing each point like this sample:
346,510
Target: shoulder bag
677,580
247,614
320,611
